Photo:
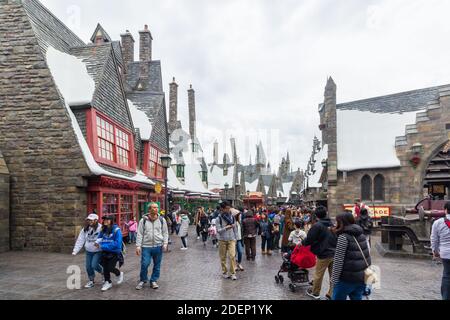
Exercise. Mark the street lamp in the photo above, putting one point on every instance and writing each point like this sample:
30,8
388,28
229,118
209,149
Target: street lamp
166,162
227,186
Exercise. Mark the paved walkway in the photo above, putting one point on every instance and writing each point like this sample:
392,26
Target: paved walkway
195,274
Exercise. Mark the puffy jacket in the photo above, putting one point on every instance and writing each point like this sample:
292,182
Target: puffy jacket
321,239
184,228
365,222
88,239
152,233
111,242
250,226
349,263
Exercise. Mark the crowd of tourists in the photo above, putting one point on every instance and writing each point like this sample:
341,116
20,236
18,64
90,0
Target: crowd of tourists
341,246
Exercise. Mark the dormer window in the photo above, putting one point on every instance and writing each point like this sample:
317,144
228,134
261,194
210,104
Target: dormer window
180,171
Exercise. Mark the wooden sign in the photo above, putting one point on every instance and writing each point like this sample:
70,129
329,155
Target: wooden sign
376,212
158,188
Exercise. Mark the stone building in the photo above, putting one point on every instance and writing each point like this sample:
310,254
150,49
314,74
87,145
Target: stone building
4,205
82,127
390,151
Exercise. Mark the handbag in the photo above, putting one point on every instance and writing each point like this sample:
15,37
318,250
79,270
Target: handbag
370,276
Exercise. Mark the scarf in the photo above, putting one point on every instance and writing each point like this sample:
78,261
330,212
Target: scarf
447,220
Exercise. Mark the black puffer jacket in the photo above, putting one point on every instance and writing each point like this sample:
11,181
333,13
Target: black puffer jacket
321,239
349,263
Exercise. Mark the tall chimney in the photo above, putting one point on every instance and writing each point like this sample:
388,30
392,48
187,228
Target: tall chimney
216,152
192,118
145,44
127,48
173,106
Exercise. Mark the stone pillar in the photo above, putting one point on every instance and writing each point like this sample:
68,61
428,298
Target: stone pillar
127,48
331,139
173,106
192,117
4,206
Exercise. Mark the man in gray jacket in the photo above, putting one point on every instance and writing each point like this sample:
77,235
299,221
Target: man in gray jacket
226,234
152,240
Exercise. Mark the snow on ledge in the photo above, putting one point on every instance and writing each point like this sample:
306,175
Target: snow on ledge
140,121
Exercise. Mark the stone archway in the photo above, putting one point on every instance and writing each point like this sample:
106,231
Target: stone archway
4,206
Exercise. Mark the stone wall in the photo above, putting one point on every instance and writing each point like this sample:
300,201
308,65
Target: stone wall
48,197
4,205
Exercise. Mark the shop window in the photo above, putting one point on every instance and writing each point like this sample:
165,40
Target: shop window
379,188
155,168
126,210
111,206
366,188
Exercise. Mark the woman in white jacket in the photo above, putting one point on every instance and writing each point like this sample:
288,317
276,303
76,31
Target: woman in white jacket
88,235
183,233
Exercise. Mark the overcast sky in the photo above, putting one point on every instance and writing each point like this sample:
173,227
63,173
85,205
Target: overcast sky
259,67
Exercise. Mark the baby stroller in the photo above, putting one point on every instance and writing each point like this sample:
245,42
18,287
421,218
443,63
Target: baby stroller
296,266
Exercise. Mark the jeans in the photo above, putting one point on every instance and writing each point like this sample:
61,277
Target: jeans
266,241
239,250
276,241
93,264
132,237
342,290
445,288
183,241
109,262
149,254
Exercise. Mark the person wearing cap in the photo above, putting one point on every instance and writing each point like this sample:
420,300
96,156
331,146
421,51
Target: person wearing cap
110,240
88,235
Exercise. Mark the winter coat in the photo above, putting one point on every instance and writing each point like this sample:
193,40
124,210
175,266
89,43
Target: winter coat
321,239
132,226
250,226
88,239
111,243
152,233
297,236
265,229
287,229
349,263
184,228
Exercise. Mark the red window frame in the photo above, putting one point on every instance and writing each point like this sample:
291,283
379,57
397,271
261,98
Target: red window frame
102,138
152,166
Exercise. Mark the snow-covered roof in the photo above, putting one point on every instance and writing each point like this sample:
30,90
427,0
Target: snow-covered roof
140,121
287,188
71,76
313,181
216,179
76,86
366,140
251,186
192,178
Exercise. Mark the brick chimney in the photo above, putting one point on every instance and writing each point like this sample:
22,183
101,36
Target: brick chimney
127,48
192,117
173,106
145,44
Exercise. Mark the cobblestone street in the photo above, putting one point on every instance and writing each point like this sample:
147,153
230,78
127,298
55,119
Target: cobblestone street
195,275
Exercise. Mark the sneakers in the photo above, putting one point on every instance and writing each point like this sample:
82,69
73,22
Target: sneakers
312,295
240,267
154,285
269,253
106,286
89,285
120,278
226,276
140,285
263,252
184,249
233,277
327,297
198,238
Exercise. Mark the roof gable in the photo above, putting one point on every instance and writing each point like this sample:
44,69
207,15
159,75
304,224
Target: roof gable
100,33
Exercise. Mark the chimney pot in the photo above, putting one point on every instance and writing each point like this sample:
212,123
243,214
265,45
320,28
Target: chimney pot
146,27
